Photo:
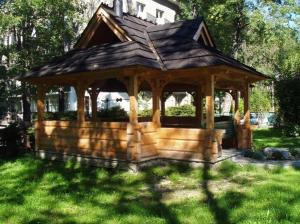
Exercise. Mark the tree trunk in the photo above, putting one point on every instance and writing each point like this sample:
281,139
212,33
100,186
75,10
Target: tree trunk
26,104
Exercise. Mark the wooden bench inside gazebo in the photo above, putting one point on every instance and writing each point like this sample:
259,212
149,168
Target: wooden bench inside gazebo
118,53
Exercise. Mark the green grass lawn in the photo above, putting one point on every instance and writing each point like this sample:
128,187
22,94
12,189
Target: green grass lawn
273,138
36,191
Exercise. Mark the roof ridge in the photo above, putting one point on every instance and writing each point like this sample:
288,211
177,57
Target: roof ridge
153,49
128,14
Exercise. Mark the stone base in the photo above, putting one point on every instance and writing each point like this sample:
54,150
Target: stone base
117,163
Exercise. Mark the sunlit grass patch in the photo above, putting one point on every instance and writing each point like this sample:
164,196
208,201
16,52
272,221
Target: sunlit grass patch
36,191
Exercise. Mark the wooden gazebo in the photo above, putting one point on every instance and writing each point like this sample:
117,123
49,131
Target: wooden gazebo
130,54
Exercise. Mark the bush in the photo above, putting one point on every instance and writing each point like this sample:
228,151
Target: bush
114,112
12,137
145,113
181,111
288,95
59,116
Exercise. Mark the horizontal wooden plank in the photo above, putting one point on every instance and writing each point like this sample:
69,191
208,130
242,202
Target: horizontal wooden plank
147,127
149,151
182,134
74,124
149,138
85,133
85,144
180,145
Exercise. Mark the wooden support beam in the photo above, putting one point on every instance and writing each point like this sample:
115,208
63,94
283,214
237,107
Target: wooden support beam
133,98
134,135
156,93
80,92
247,106
237,118
199,106
41,93
94,93
209,96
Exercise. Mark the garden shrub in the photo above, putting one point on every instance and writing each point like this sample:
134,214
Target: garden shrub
145,113
288,95
113,112
12,138
181,111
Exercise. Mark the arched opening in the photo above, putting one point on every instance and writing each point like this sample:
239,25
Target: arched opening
145,99
60,103
112,101
178,105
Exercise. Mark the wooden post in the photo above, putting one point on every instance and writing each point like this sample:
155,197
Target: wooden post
199,106
133,98
246,106
211,152
155,107
237,118
41,93
210,111
134,136
80,92
163,106
94,96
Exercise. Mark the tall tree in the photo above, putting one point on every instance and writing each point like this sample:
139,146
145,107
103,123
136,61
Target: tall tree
34,31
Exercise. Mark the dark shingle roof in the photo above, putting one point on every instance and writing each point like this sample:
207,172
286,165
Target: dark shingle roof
167,47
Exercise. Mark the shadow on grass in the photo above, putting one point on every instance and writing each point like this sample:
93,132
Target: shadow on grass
221,215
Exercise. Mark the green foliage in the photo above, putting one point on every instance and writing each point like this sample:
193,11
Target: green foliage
145,113
181,111
273,137
260,100
288,96
113,112
262,34
11,139
59,116
41,30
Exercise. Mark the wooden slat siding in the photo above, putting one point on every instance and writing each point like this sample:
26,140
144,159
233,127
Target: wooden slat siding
86,133
149,140
188,134
107,139
181,143
72,124
91,144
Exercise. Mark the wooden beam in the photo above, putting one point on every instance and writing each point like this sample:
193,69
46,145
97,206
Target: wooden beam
199,106
41,93
237,118
209,96
94,93
133,98
80,92
156,93
247,106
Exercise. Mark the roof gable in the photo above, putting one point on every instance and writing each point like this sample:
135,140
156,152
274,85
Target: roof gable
100,29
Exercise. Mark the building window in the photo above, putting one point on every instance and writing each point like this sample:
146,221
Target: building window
140,8
159,14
